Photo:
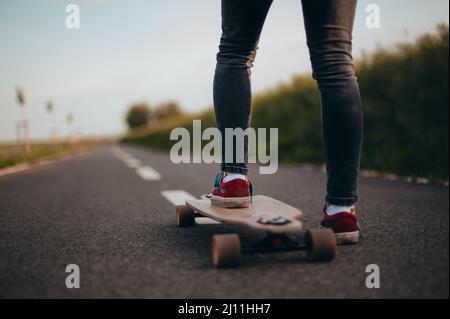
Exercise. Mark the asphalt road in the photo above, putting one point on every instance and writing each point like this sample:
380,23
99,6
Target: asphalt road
97,212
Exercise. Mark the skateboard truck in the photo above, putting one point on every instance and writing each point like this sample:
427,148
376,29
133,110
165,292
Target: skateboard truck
273,243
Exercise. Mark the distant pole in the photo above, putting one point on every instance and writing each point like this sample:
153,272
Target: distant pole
23,124
50,108
69,120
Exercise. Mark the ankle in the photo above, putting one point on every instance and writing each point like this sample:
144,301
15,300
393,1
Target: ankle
336,209
227,177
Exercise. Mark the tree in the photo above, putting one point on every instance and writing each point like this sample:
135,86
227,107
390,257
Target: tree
138,116
167,110
49,106
20,97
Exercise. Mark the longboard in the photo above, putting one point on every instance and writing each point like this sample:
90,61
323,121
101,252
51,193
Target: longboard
266,214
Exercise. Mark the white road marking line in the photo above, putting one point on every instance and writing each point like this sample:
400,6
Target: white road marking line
133,162
126,157
145,172
123,157
118,152
179,197
148,174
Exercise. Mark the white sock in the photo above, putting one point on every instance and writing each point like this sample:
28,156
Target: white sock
334,209
231,176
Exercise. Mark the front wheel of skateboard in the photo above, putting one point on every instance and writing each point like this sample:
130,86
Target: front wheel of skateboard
320,244
185,216
226,250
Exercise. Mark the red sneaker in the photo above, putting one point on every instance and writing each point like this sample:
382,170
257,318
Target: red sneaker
233,194
344,225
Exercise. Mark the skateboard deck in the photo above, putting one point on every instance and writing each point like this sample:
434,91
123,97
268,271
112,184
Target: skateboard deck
264,213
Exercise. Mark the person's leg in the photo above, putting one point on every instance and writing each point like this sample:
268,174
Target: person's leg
242,22
329,26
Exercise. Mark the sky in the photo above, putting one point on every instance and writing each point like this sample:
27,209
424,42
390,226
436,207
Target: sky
153,51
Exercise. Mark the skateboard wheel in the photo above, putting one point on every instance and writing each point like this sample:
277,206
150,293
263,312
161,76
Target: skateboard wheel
185,216
320,244
226,250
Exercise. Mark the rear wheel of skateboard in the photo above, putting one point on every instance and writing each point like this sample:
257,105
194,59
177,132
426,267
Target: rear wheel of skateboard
226,250
185,216
320,244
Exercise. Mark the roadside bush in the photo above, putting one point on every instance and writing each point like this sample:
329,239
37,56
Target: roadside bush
405,97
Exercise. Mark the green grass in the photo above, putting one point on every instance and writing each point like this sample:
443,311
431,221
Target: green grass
13,154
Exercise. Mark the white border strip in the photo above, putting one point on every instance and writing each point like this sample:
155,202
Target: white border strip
40,162
14,169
